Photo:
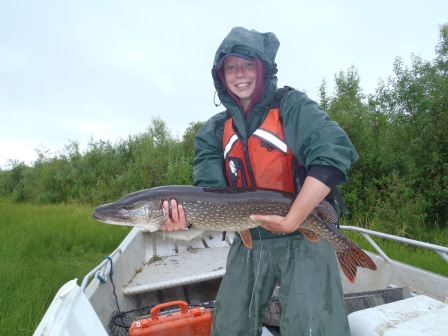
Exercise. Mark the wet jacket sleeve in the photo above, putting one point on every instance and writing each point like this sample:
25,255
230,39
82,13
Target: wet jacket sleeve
313,137
328,175
208,166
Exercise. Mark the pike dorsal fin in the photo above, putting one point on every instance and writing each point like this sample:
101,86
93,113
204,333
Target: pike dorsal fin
310,235
246,237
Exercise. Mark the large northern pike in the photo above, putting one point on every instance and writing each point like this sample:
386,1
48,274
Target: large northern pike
229,209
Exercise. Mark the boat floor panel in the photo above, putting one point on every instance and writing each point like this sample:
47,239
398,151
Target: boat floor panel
191,266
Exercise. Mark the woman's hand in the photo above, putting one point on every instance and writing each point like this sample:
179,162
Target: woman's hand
275,223
177,219
312,193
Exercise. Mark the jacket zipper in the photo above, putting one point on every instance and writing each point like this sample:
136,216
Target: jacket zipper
248,163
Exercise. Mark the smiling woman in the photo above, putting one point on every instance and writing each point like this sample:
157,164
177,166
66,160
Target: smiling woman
240,77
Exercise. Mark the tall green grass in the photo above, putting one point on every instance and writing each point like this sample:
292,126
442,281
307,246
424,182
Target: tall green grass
44,246
41,248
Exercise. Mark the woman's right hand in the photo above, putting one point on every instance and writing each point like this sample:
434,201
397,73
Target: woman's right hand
177,219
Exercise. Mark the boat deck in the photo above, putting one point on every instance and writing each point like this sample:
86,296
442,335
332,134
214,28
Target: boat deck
149,269
176,268
173,263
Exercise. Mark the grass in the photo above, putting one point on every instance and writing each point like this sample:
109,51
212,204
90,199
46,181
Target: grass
41,248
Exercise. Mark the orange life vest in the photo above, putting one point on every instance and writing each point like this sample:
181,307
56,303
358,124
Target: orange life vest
264,160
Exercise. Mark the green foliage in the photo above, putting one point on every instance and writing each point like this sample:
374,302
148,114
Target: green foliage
188,138
416,102
105,171
401,134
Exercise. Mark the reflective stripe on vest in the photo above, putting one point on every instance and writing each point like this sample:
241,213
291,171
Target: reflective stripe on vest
229,145
272,139
262,134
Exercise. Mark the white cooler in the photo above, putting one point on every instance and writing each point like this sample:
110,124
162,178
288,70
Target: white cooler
416,316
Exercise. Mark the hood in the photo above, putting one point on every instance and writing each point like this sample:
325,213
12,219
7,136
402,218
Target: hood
262,46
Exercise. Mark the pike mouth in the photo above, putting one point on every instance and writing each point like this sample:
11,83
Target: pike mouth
106,214
115,218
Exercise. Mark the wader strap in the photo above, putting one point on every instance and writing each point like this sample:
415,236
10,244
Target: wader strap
341,203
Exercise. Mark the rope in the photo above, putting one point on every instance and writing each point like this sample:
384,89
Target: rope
103,281
256,276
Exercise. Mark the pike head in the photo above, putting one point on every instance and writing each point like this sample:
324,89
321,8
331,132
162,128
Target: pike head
135,209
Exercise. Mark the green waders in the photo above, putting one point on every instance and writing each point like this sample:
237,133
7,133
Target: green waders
310,292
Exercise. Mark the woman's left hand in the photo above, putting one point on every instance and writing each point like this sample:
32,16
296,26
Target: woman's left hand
276,224
312,193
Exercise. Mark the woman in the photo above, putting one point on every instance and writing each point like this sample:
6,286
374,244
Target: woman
287,143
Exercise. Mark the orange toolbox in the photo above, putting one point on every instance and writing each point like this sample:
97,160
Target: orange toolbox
186,322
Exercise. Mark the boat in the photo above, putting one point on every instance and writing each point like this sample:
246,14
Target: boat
149,269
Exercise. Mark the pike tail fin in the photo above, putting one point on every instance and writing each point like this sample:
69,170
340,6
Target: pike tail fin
351,258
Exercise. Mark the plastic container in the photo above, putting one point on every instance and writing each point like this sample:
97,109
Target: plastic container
186,322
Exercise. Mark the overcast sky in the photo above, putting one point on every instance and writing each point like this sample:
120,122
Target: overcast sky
85,69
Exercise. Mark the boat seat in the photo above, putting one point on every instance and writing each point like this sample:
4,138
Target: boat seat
172,262
353,302
363,300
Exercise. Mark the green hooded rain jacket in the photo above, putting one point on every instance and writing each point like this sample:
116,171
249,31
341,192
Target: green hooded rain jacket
310,287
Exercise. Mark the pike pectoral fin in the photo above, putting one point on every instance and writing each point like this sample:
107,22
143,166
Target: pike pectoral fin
246,237
310,235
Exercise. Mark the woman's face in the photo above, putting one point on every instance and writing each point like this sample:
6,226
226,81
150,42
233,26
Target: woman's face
240,76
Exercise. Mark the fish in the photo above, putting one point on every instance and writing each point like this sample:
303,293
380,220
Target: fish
229,209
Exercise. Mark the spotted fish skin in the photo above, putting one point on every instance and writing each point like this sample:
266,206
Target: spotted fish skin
214,209
229,209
